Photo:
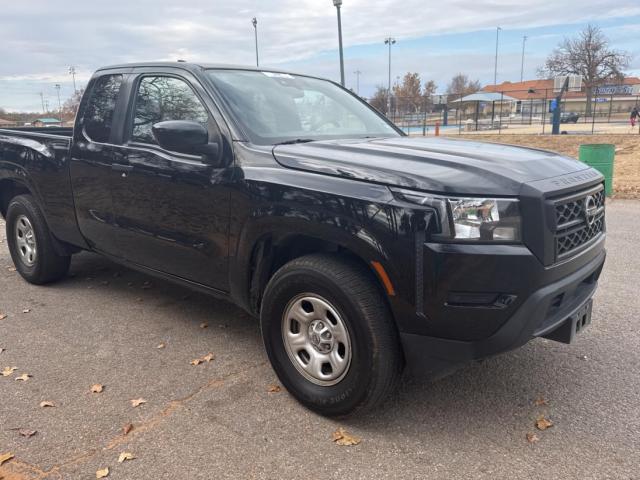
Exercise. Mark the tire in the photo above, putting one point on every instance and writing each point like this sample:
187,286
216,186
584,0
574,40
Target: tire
342,293
27,228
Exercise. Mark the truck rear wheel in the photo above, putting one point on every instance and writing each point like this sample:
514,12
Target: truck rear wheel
329,335
30,243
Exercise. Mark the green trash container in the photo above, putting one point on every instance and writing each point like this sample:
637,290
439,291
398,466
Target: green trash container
600,157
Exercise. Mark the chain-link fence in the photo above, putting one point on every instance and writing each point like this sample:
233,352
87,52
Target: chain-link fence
606,109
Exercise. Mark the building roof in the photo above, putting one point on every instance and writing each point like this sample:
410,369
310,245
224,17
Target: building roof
47,120
539,89
484,97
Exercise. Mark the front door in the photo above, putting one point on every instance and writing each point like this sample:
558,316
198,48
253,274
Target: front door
172,209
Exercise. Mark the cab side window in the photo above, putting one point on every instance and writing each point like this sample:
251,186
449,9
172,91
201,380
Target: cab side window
98,114
159,99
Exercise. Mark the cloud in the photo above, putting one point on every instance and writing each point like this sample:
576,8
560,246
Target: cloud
41,38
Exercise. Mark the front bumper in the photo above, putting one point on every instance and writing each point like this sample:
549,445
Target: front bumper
554,300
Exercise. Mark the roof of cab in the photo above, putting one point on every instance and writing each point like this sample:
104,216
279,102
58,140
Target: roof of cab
192,66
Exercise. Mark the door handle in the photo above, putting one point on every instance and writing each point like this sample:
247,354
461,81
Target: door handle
119,167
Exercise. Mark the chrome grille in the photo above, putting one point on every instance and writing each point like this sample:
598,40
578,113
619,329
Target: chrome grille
579,220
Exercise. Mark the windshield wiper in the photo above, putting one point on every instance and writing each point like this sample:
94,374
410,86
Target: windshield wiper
296,140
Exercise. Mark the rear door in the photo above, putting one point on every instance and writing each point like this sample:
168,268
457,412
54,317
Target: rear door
172,209
92,161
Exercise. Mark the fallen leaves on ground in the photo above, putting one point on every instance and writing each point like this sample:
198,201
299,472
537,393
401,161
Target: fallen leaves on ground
5,457
137,402
97,388
3,316
127,428
207,358
161,345
26,310
543,423
24,377
274,388
102,473
1,350
541,401
204,325
25,432
11,269
125,456
532,437
6,371
47,403
341,437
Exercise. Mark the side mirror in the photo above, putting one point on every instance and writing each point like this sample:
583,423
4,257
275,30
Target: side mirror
186,136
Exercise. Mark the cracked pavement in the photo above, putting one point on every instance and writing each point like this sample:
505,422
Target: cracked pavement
217,419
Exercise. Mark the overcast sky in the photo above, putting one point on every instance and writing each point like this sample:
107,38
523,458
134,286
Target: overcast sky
39,39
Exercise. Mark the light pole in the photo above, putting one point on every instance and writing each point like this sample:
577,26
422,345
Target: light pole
59,103
72,72
357,74
254,21
524,41
338,4
389,41
495,71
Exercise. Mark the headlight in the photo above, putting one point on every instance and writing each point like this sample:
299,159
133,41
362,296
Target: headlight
471,218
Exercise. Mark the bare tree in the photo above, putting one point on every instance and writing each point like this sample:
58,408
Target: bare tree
379,99
462,85
409,93
588,55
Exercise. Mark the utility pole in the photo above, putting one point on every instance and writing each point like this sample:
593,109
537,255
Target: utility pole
42,100
254,21
357,74
59,103
389,41
495,71
338,4
46,106
524,41
72,72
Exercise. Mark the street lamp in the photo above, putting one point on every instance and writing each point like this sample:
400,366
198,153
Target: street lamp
495,72
72,72
389,41
357,74
524,41
59,103
338,4
254,21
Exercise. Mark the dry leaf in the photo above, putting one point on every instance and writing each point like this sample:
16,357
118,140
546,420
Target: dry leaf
541,401
25,433
341,437
47,403
532,438
1,350
97,388
137,402
208,357
26,310
274,389
125,456
102,473
5,457
204,325
24,377
11,269
161,345
8,371
2,316
543,423
127,428
197,361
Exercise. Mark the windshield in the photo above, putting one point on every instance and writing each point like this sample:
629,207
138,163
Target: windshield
279,107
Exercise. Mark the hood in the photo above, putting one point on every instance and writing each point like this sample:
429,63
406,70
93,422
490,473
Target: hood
439,165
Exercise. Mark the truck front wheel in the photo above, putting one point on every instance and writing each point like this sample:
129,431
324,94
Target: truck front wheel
30,243
329,335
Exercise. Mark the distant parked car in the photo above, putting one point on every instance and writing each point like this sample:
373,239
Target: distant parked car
569,117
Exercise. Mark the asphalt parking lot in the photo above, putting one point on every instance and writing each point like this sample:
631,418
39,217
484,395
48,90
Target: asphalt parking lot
218,419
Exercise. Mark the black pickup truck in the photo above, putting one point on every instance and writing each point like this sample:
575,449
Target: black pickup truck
360,249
